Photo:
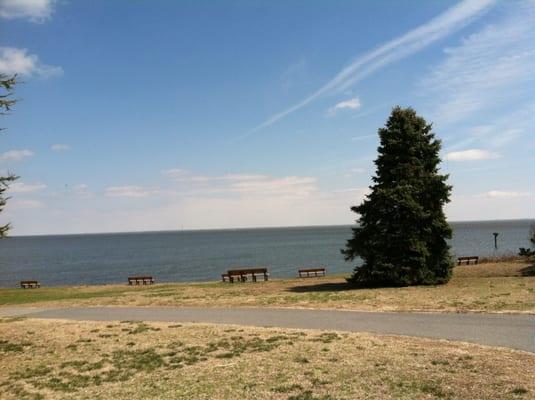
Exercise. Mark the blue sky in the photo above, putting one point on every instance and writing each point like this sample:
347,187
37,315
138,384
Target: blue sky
148,115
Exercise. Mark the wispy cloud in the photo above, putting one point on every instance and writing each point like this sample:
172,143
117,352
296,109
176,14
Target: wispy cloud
354,171
500,194
411,42
126,191
489,67
243,184
60,147
18,61
497,132
21,187
175,173
471,155
24,204
15,155
290,185
294,74
78,191
33,10
351,104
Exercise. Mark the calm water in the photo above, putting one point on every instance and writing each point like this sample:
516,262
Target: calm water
203,255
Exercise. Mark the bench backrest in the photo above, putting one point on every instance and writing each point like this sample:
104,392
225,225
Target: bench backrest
468,258
312,270
133,278
247,271
29,282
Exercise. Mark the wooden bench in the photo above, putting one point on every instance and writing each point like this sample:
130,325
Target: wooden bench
145,280
467,260
242,274
30,284
311,272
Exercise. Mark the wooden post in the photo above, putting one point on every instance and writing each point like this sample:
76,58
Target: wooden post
495,239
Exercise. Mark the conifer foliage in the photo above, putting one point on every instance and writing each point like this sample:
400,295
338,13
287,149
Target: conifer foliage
6,102
402,232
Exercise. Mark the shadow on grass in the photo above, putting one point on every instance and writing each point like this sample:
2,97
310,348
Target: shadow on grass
528,271
323,287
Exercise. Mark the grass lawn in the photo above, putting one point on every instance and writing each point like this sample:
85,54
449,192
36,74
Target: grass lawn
57,359
489,287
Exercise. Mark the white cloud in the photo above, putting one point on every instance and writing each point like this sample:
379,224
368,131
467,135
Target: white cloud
226,201
351,104
21,187
60,147
126,191
411,42
22,204
500,194
34,10
488,69
15,155
471,155
18,61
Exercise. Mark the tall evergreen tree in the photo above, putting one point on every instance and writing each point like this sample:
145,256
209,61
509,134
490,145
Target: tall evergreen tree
6,102
401,231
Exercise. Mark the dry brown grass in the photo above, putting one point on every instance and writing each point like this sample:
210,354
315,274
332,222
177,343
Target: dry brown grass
490,287
53,359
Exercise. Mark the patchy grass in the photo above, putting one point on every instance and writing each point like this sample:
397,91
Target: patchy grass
488,287
225,362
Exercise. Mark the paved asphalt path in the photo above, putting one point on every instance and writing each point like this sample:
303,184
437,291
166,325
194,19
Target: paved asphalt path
514,331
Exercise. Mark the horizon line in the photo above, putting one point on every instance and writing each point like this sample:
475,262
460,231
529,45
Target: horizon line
243,228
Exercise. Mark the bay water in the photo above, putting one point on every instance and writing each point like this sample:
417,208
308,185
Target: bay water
203,255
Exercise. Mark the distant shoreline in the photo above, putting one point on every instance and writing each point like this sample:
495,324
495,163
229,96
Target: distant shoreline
250,228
